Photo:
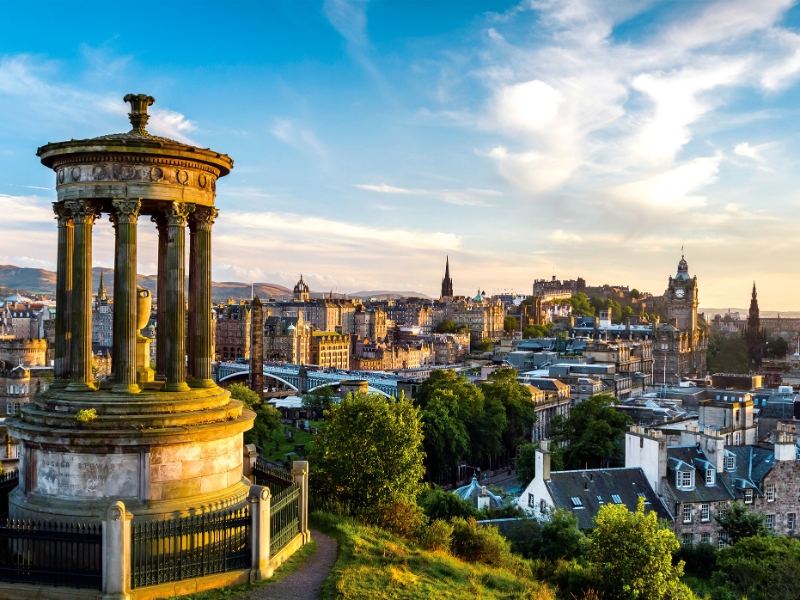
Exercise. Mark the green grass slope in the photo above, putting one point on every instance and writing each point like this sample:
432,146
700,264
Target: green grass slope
373,563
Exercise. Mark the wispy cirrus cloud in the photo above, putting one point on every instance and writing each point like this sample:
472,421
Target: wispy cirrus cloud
467,197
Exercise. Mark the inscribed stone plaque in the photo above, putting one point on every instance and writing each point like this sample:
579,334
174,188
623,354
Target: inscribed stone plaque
86,475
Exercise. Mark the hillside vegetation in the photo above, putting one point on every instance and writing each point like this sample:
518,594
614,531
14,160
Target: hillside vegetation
373,563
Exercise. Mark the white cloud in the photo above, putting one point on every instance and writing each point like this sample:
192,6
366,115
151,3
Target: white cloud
299,138
754,152
171,124
526,107
468,197
534,172
559,236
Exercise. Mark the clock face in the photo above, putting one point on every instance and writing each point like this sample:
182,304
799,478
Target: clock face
679,293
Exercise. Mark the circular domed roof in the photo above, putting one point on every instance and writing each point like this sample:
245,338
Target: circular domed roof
683,269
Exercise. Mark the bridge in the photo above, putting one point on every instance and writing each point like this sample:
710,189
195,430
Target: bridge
290,375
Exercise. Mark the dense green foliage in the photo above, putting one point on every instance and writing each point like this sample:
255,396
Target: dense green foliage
510,323
320,398
727,354
525,463
631,555
537,331
777,347
740,522
484,345
268,419
553,538
594,430
515,398
369,456
439,504
758,568
447,326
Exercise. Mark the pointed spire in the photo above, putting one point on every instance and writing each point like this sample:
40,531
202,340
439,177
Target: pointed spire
101,289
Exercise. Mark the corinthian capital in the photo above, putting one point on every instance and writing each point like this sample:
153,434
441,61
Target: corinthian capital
84,212
177,213
125,211
63,215
203,218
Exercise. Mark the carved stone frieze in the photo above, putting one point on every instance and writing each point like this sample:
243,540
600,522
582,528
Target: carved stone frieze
183,173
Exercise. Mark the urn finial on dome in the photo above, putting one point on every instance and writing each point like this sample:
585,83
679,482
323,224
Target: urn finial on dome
138,114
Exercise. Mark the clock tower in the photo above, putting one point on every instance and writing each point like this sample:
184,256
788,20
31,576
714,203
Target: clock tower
681,298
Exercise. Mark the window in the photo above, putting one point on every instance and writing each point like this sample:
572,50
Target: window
791,519
730,463
705,512
737,438
576,501
770,492
736,416
9,410
687,513
688,539
722,541
16,406
531,501
705,538
771,522
616,499
684,479
600,499
748,496
710,477
641,442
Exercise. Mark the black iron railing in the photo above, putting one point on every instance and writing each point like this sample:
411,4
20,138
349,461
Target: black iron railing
284,517
8,481
171,550
64,554
271,476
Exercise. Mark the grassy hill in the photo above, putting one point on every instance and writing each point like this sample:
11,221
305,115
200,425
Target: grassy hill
373,563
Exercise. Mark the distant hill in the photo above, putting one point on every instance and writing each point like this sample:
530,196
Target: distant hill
33,281
743,312
237,290
388,295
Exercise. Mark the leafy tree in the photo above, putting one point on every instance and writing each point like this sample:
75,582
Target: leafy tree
758,568
446,326
526,463
727,355
560,537
632,555
580,305
635,294
446,437
439,504
627,312
740,522
537,331
370,454
594,431
268,419
510,323
484,345
320,398
515,398
777,348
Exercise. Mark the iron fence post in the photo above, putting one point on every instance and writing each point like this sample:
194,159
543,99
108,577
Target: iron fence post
300,476
116,553
259,499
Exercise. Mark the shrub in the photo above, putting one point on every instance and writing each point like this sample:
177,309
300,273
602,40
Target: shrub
483,544
700,559
402,519
86,415
439,504
438,536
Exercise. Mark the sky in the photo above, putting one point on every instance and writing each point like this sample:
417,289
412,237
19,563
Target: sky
373,139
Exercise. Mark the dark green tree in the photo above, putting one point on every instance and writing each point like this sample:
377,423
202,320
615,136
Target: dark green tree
536,331
439,504
758,568
740,522
446,437
515,398
484,345
510,323
320,398
268,419
727,354
581,305
593,432
777,347
370,454
635,294
446,326
526,463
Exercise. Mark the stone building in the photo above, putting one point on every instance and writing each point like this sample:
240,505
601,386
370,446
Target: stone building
25,352
102,319
450,348
447,281
550,397
287,339
370,323
484,317
330,349
233,322
22,318
301,292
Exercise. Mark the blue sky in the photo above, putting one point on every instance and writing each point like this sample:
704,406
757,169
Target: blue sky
370,140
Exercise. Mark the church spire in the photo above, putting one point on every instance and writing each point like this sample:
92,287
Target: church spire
447,282
101,289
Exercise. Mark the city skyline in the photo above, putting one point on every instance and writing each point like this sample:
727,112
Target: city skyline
522,139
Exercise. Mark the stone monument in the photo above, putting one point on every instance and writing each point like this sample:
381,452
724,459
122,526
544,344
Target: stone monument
167,445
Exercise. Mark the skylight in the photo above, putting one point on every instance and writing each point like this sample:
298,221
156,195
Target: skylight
616,499
576,501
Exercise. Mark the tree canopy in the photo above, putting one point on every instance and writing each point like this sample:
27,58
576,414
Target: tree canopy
510,323
320,398
370,452
537,331
515,398
759,568
447,326
727,354
631,554
739,522
526,463
268,419
594,431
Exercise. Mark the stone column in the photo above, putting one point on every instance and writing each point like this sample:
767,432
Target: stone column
300,476
161,296
260,500
191,316
200,288
117,553
175,367
84,213
125,218
66,241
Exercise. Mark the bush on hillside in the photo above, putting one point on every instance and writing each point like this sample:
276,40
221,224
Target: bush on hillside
484,544
439,504
438,536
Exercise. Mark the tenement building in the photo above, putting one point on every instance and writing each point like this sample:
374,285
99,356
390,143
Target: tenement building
330,349
287,339
233,331
102,320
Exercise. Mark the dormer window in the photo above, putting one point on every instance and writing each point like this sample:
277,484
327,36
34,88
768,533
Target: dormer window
730,463
748,496
685,479
711,478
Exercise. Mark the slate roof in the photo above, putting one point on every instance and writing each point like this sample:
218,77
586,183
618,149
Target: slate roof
752,465
683,458
777,410
473,490
595,487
